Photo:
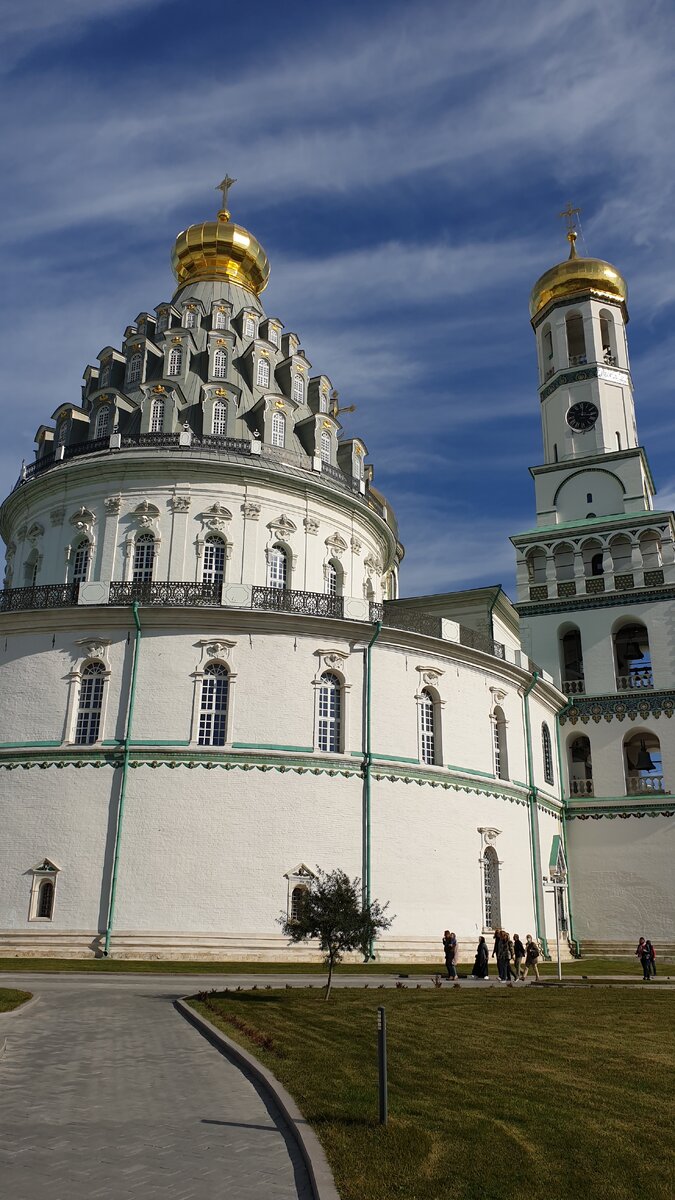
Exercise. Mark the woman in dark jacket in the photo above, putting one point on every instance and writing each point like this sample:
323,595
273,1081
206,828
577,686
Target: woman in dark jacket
480,964
450,952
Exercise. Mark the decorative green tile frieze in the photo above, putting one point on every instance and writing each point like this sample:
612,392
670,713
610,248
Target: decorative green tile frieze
568,377
535,608
626,705
595,812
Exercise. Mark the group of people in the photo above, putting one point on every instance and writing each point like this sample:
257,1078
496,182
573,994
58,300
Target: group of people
514,959
647,955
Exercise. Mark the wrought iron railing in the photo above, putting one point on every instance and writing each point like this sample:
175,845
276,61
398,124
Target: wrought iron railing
595,585
581,787
309,604
643,785
44,595
653,578
567,588
376,611
539,591
635,680
623,583
172,594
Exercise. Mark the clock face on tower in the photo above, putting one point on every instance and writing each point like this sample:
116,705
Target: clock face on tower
582,417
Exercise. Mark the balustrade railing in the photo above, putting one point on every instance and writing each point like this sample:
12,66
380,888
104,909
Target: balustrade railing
637,678
644,785
574,687
309,604
44,595
581,787
172,593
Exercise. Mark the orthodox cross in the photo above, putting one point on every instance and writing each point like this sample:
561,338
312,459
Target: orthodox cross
335,409
569,215
224,187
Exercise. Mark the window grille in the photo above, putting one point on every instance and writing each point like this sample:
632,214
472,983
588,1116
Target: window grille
273,335
62,433
90,708
45,905
263,373
213,705
547,753
220,364
135,368
214,560
298,388
358,466
298,901
330,697
491,896
144,559
104,377
102,421
220,417
325,447
277,568
278,429
163,321
81,561
249,327
157,415
331,580
427,728
499,734
220,319
176,361
189,318
323,402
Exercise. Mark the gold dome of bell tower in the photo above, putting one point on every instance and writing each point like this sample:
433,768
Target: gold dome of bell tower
220,250
576,275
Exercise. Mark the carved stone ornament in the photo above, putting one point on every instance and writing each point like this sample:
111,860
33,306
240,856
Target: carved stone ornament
9,553
430,675
35,533
497,695
216,647
146,515
179,504
372,564
488,836
94,647
336,543
282,525
218,511
333,660
112,505
83,520
251,510
57,514
311,524
357,545
21,532
302,871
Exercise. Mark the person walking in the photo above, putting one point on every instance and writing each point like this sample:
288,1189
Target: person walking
513,974
642,952
503,956
480,962
518,955
450,952
531,957
652,955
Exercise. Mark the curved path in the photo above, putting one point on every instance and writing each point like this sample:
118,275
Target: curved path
106,1092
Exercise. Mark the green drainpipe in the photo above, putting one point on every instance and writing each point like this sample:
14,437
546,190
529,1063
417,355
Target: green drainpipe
491,610
573,939
123,785
532,799
367,762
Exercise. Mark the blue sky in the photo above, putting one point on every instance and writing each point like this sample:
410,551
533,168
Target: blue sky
402,165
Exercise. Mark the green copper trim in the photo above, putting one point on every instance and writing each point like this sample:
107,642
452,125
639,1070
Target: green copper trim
29,745
471,771
123,784
532,803
367,768
265,746
385,757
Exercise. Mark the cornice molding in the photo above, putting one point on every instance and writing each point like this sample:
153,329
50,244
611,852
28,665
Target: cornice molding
631,705
537,608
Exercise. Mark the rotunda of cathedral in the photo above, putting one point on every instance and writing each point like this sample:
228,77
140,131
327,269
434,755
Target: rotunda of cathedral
212,685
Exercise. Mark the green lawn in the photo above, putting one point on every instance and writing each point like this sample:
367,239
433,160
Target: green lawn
501,1093
583,966
11,998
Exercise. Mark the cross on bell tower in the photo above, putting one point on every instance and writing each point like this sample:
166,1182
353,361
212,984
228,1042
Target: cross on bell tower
224,187
569,216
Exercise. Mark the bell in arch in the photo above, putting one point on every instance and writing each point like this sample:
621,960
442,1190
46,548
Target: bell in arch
644,759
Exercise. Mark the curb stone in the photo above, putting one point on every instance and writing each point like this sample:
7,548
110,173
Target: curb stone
320,1174
22,1008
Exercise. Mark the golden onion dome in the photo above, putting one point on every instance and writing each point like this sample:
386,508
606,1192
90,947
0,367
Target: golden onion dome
577,275
220,250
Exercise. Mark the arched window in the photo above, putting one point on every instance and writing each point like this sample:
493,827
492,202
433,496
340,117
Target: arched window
104,375
427,723
607,337
135,368
278,429
643,764
298,388
176,361
633,658
325,446
81,561
262,377
580,766
547,345
220,417
213,570
329,713
213,705
358,466
32,568
572,662
491,898
157,415
323,401
189,318
500,748
547,753
576,340
273,335
219,319
220,364
298,901
144,558
62,432
331,580
249,327
162,321
102,421
90,707
45,904
277,568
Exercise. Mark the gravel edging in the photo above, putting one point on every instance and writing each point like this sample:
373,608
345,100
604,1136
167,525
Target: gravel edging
21,1008
320,1174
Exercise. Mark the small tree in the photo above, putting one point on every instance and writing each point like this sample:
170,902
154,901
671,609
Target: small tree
333,912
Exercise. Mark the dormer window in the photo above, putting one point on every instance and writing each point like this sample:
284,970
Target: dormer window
358,466
325,446
102,425
323,401
298,389
219,318
162,321
249,326
220,418
176,361
62,432
220,364
189,318
278,429
157,415
263,373
104,377
135,367
273,335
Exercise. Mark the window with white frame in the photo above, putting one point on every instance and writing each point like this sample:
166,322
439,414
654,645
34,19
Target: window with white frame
262,377
104,377
135,368
62,432
220,417
298,388
176,361
273,335
501,761
90,705
358,466
31,568
325,446
491,891
157,415
331,579
189,318
45,900
213,705
323,401
81,561
547,753
144,559
213,570
277,568
220,364
298,901
249,327
329,715
278,429
102,426
162,321
219,319
427,722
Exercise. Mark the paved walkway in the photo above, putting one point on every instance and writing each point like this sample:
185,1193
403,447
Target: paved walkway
106,1092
